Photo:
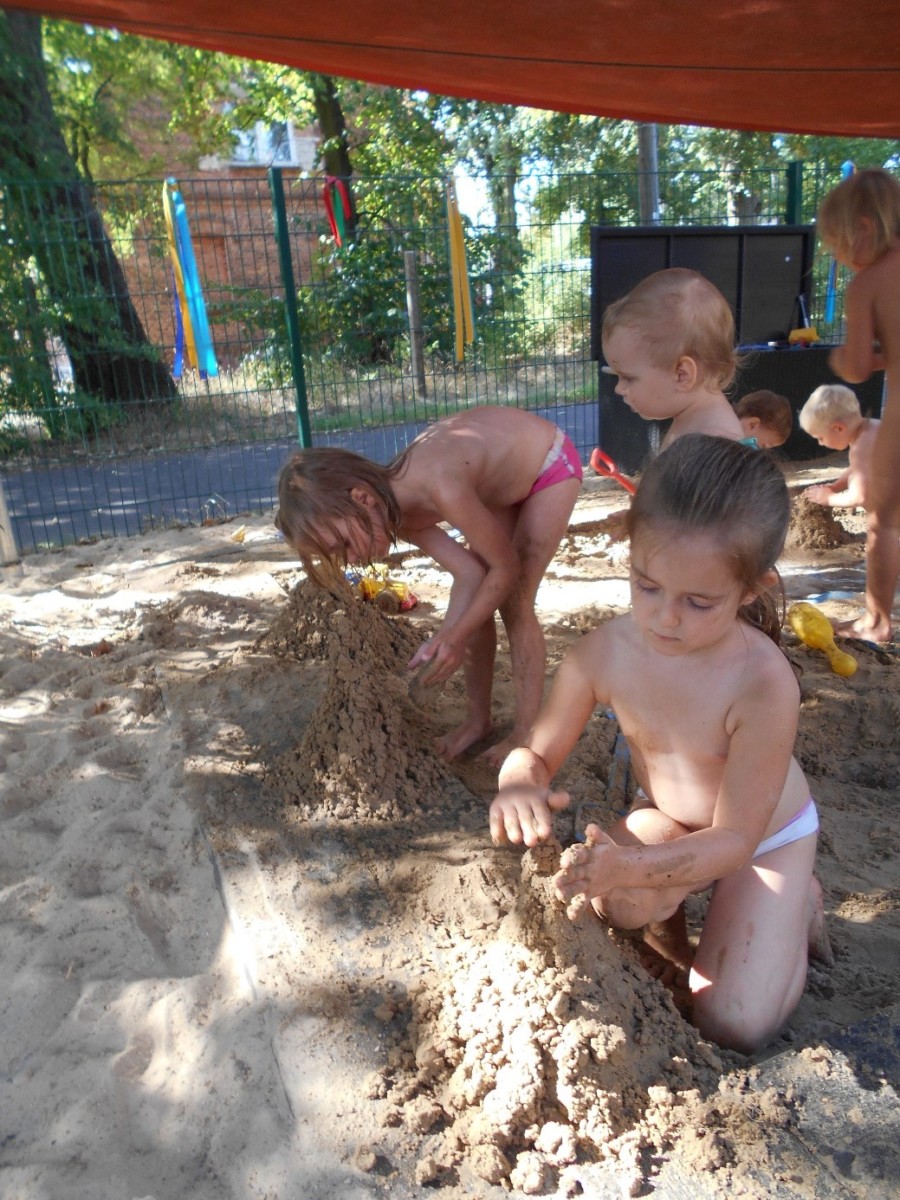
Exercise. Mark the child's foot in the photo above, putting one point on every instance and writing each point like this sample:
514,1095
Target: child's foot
496,754
668,941
867,628
674,977
451,745
818,940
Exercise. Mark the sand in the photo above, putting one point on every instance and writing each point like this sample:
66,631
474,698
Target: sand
257,942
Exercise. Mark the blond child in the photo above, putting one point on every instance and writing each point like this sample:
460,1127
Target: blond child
671,343
709,706
859,222
833,417
766,419
504,478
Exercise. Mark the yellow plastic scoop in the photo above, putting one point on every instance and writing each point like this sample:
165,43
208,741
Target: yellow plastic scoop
813,628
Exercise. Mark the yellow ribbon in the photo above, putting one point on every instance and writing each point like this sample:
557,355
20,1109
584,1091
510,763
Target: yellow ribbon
459,276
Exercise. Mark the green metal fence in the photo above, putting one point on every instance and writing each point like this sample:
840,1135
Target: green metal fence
328,344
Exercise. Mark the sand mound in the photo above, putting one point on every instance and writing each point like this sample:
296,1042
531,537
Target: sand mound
544,1047
366,753
814,527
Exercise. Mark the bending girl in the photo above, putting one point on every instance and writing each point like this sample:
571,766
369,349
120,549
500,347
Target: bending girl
507,480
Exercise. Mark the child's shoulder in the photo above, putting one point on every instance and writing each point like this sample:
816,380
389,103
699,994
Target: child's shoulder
601,638
768,666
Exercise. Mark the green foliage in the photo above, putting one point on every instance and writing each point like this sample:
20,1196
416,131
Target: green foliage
354,309
115,95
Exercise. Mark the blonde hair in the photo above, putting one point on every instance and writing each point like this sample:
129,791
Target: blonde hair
871,194
315,490
680,313
770,409
829,403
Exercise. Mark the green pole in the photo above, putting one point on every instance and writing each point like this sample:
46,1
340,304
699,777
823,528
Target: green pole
276,186
794,214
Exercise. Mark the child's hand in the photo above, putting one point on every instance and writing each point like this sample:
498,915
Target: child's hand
586,869
818,493
524,814
443,653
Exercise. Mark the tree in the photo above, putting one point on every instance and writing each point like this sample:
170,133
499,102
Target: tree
49,211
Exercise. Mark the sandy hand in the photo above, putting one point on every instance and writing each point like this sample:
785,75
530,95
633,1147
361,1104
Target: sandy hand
584,868
440,656
524,815
818,494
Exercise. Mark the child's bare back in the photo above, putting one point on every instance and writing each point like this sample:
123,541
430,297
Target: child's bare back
493,455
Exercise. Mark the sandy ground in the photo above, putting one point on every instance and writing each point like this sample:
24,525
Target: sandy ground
257,944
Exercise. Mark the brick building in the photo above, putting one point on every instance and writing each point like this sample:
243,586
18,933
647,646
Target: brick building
230,216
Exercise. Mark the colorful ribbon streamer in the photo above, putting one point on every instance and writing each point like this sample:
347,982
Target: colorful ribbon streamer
463,318
337,217
191,323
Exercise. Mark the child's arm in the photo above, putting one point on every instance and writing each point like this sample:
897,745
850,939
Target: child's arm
484,574
855,361
843,492
762,730
522,810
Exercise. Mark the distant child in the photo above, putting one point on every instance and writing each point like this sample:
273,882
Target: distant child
709,706
832,416
506,480
671,342
766,419
859,222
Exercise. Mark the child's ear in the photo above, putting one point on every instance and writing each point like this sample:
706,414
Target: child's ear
766,581
686,373
751,425
362,495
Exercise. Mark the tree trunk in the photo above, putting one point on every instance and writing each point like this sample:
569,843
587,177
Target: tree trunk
55,220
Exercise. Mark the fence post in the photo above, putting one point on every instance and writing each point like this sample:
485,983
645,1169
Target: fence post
9,551
276,187
417,359
794,213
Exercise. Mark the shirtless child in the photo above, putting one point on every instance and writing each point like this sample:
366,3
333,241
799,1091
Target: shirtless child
506,480
833,417
709,706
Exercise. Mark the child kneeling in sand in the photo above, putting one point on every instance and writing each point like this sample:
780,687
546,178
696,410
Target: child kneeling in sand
507,480
833,417
709,705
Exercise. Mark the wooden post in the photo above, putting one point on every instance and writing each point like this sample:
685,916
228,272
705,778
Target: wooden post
417,358
9,551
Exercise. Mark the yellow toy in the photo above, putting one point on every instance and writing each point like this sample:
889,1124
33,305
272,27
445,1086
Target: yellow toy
803,337
390,595
813,628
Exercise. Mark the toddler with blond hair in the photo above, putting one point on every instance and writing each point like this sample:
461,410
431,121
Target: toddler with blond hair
671,342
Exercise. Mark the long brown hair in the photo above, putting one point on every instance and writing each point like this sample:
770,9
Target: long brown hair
732,492
315,490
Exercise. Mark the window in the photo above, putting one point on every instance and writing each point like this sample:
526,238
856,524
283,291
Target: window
277,144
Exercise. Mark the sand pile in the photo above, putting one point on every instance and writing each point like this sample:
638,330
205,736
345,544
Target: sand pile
813,526
366,753
542,1053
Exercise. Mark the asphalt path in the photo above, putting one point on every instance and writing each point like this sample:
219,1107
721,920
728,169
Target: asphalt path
55,505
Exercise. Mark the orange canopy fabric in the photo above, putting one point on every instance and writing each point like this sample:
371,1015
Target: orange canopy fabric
831,67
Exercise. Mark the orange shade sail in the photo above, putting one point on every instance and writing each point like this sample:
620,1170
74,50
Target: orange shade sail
832,67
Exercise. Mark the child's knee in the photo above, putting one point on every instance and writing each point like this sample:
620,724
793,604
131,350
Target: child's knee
732,1028
633,908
